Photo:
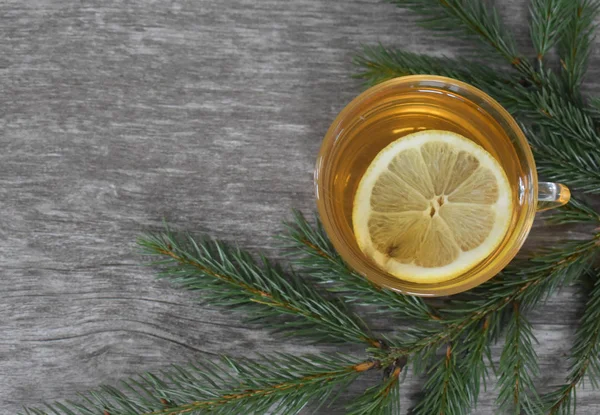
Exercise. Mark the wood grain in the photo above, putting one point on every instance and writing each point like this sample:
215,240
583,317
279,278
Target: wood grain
115,115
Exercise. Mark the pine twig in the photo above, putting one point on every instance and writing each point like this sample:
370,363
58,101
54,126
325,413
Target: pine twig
282,385
470,18
564,161
518,367
532,281
474,349
548,19
445,389
377,64
381,399
572,129
526,282
574,212
585,357
320,260
380,63
232,278
470,351
565,119
471,325
576,41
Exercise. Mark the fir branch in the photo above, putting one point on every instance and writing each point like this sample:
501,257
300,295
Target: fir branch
470,18
472,324
543,104
564,119
532,281
574,212
445,390
548,19
585,357
232,278
320,260
570,128
526,282
576,41
377,64
564,161
518,367
281,385
474,349
471,351
381,399
380,63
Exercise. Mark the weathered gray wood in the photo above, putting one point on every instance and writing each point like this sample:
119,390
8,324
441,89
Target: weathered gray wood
115,115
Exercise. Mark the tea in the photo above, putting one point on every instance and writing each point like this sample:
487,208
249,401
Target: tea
401,106
409,112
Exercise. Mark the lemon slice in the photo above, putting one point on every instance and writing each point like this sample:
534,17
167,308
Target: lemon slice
431,205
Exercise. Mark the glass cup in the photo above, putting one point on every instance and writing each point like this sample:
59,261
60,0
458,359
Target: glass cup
424,101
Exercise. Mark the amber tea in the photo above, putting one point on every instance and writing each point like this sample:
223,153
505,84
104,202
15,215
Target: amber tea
388,193
418,111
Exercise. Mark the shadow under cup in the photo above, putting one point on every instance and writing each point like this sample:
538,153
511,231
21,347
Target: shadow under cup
402,106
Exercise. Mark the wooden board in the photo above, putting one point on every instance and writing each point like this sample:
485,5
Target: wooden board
209,114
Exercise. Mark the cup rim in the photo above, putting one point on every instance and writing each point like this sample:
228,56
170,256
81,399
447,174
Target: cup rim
393,283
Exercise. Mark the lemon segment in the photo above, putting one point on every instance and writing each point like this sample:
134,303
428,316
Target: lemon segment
431,206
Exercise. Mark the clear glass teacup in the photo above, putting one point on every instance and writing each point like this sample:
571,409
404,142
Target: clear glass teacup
405,105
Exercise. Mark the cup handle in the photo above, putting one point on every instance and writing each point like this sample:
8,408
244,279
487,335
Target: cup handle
552,195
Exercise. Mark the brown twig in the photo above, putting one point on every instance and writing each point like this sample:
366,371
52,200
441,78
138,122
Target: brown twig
271,301
299,383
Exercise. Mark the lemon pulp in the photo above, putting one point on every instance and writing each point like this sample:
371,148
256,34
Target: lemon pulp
431,206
